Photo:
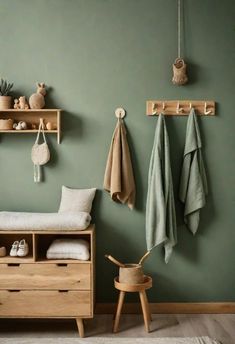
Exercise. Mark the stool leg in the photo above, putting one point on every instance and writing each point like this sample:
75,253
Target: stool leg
144,310
148,307
118,312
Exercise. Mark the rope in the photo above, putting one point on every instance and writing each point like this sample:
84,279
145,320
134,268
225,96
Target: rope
179,28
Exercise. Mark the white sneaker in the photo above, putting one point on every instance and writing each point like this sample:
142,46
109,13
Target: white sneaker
14,248
23,249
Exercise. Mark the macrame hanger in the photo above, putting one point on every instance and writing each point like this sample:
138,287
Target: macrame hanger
179,29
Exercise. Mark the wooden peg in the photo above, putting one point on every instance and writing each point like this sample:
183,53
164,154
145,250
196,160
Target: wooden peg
178,108
206,112
154,109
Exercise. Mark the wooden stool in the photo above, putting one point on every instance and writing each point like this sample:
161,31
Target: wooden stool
133,288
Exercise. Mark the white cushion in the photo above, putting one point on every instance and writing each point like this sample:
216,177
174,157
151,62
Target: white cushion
76,200
44,221
69,249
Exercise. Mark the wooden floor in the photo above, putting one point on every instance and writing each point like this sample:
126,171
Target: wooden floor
221,327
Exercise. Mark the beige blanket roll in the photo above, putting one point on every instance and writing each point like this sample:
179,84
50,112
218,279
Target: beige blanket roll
119,178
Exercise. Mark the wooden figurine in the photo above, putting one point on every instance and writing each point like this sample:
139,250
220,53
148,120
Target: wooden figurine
16,104
20,126
23,103
36,100
49,126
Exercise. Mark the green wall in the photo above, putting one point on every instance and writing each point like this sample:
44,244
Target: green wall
97,55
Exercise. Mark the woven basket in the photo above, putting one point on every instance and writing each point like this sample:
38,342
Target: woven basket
131,274
6,124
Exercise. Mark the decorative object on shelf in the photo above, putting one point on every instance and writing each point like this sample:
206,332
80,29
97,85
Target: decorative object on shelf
23,105
6,124
49,126
16,104
179,66
5,98
180,107
40,153
3,251
20,126
37,100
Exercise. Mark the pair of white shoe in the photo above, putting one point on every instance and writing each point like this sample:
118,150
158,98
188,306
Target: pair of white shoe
20,249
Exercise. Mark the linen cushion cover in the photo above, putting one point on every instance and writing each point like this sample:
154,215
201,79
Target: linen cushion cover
69,249
76,200
44,221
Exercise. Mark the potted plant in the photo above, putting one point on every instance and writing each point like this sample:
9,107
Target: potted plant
5,98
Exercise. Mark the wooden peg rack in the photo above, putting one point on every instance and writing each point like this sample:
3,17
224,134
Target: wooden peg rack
180,107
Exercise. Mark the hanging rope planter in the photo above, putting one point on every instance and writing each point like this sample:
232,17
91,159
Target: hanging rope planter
179,66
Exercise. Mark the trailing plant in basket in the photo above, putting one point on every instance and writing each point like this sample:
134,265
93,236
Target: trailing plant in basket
5,87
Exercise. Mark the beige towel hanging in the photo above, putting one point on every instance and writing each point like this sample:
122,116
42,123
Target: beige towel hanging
119,178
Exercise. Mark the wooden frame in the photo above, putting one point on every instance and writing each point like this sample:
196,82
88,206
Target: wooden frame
180,107
32,116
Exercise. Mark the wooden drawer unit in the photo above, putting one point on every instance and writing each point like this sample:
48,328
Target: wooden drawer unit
45,276
36,287
30,303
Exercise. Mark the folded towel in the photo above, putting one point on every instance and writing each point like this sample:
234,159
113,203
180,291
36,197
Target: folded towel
119,178
44,221
69,249
160,208
193,183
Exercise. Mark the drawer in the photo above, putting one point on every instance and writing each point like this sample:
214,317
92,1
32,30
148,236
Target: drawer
45,276
28,303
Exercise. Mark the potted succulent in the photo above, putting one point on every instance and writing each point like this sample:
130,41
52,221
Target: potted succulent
5,98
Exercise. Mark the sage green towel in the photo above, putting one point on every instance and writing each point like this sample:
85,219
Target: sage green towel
193,183
160,207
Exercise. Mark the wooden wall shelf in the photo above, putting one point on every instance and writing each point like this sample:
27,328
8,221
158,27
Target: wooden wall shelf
32,116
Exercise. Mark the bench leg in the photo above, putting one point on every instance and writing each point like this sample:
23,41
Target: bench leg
118,312
80,327
145,309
